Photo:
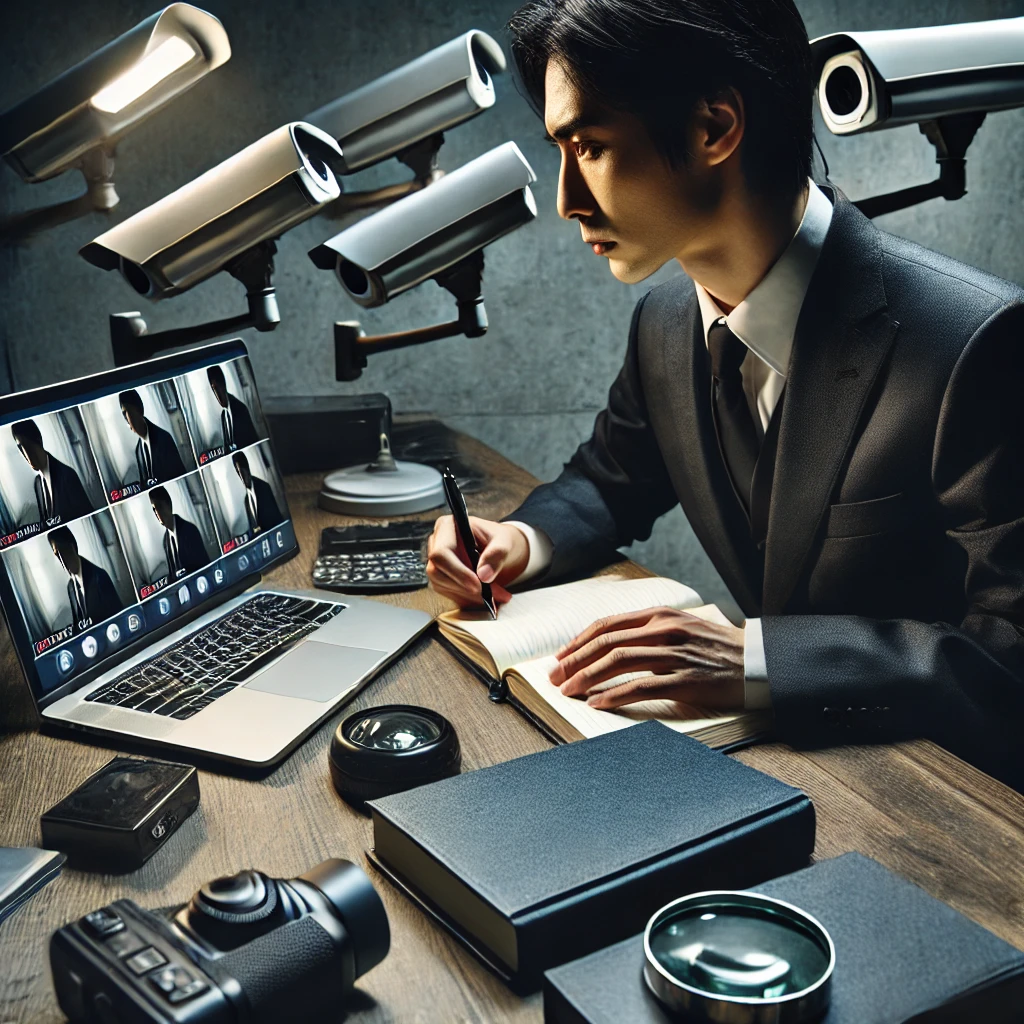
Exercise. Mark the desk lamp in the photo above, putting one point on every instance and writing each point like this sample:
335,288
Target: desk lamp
77,119
943,78
438,234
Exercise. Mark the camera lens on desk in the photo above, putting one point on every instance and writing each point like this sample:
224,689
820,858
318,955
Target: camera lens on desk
392,748
738,957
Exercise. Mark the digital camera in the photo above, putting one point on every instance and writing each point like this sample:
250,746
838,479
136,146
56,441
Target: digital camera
246,949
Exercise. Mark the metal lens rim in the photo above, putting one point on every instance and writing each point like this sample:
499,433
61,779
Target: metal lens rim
722,899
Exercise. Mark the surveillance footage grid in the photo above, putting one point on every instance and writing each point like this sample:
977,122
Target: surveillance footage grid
117,513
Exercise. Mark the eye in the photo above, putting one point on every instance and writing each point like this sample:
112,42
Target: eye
588,150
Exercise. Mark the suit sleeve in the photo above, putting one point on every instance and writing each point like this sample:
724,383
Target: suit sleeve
960,683
615,485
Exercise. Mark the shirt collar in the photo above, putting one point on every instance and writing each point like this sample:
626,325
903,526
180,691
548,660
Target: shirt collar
765,321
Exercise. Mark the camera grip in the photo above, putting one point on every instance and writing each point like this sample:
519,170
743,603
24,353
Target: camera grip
298,957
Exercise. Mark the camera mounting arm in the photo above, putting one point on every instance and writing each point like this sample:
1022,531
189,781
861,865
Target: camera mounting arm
463,279
950,136
131,341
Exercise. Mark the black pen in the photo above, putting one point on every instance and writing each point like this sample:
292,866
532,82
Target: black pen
457,504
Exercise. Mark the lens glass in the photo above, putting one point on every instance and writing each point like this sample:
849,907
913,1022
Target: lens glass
843,91
738,951
393,730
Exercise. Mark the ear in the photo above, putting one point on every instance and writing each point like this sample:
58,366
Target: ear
719,122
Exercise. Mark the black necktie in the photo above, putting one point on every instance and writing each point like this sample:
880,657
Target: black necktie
737,434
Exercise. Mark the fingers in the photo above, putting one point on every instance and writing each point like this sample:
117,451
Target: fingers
610,623
447,568
617,662
569,664
496,550
673,686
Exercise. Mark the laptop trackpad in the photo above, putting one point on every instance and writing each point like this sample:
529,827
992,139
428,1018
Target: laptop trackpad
317,671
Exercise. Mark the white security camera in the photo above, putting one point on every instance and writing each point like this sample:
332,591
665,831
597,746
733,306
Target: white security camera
425,233
882,79
77,119
430,94
255,195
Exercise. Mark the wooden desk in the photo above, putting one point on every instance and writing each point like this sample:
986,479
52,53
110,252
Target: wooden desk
915,808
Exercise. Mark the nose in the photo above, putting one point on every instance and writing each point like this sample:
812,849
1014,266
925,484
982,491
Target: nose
574,197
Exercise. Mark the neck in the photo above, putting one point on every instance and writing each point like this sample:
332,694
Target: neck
747,234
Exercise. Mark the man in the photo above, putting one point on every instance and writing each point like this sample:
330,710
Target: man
91,593
838,410
156,455
183,543
235,421
261,508
60,496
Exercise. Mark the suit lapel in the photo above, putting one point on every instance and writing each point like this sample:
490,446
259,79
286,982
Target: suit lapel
677,385
842,340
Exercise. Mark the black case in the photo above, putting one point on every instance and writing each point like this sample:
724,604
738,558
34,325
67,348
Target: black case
122,814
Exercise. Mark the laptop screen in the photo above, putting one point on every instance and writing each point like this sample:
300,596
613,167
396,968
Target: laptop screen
129,498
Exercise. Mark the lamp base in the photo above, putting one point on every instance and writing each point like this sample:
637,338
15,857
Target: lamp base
363,491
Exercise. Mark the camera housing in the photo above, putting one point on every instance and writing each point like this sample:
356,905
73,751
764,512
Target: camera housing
883,79
93,104
246,949
255,195
430,94
430,231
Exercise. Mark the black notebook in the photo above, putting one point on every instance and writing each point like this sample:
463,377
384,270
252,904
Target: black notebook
539,860
901,957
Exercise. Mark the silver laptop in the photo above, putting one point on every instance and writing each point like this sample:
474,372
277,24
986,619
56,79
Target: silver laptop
138,509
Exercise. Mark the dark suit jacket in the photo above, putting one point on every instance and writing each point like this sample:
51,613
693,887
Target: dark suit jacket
891,583
244,431
268,513
191,550
101,597
167,462
69,498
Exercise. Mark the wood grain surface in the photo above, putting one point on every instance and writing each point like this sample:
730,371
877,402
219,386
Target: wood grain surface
914,807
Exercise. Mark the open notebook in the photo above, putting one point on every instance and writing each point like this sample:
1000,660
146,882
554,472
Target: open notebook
519,647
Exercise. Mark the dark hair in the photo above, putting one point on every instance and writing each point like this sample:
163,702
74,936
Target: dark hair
63,537
26,430
160,494
657,58
215,375
131,400
240,460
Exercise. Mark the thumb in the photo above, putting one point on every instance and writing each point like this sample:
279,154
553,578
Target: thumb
492,560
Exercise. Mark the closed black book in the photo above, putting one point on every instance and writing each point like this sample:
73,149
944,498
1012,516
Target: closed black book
542,859
901,957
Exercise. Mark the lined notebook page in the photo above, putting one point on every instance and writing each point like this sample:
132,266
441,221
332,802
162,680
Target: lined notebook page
593,721
539,622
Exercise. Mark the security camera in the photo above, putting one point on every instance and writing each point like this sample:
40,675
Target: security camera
226,219
425,233
257,194
78,118
873,80
430,94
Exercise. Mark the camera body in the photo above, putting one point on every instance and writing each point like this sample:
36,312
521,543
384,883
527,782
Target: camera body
94,103
423,234
883,79
247,949
430,94
255,195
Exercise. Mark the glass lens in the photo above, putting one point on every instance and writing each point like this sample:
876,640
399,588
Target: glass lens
738,951
393,730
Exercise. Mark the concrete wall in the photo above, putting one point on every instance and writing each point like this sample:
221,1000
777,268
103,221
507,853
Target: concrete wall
531,387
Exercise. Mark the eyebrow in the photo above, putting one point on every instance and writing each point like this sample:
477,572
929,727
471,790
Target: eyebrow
577,124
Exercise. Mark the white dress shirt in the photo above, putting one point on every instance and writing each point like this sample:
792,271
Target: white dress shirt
765,321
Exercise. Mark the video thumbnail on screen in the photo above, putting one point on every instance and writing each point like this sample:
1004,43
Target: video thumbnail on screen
246,495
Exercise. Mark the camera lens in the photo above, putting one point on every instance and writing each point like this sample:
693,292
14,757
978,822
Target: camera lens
843,91
392,730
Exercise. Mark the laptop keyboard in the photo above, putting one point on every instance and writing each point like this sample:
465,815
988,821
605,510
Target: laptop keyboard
192,674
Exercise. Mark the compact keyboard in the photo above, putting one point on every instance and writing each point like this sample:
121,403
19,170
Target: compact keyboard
195,671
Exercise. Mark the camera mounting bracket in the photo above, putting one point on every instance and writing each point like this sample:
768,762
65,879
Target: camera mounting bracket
132,343
463,279
950,136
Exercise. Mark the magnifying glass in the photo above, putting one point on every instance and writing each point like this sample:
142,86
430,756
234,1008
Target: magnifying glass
738,958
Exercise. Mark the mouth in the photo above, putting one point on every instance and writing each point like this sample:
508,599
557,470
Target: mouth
600,247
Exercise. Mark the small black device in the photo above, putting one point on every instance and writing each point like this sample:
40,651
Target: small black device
373,559
246,949
122,814
392,748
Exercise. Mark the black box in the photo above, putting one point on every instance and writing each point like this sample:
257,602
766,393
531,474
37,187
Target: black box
326,431
122,814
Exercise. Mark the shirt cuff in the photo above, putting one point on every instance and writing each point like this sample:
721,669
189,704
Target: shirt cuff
756,694
540,551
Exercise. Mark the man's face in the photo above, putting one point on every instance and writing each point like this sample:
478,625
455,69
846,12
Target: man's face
164,512
243,473
135,419
67,555
220,392
617,185
34,454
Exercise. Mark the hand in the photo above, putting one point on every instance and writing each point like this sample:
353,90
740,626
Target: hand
689,660
504,553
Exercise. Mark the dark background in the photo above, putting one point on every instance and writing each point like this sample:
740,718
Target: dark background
558,318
